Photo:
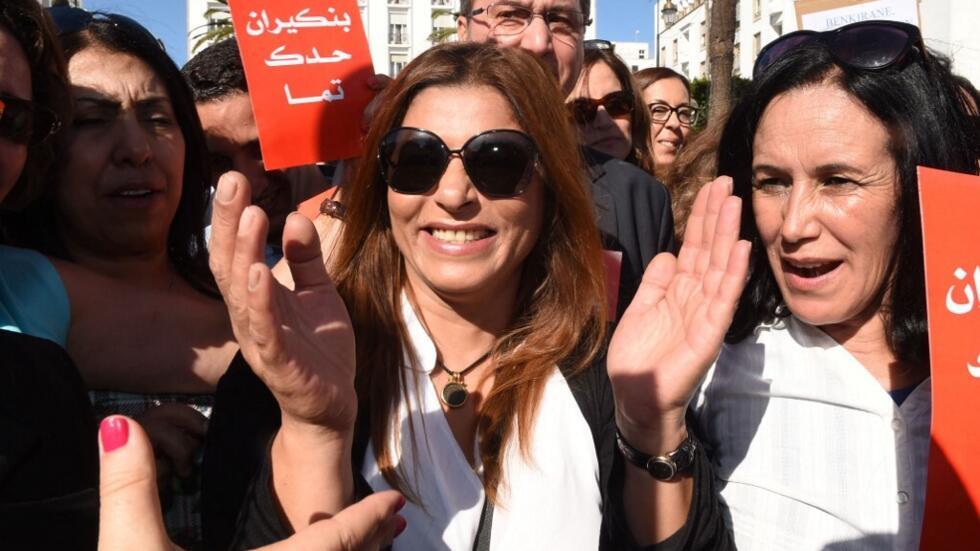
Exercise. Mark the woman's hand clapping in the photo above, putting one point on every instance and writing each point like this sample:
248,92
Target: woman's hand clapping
676,323
299,342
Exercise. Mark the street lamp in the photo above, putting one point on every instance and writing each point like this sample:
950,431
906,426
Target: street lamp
669,13
668,16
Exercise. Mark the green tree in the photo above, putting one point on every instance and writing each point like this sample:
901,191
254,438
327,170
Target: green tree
440,34
216,29
701,93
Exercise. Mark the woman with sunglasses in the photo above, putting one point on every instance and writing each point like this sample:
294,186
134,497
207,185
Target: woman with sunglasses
667,95
608,110
48,453
817,405
469,374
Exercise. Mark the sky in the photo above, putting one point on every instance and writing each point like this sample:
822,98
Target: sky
167,20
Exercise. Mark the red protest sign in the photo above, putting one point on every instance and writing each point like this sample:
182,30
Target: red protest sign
950,206
307,66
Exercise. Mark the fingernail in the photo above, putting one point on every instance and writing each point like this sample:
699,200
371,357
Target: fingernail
246,219
114,432
254,273
400,525
226,190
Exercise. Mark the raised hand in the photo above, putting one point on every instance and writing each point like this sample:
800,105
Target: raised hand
675,325
129,516
299,342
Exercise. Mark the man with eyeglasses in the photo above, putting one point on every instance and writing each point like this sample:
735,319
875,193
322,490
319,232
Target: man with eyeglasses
632,208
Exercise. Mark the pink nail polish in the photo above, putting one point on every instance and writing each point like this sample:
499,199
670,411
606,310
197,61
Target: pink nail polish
400,525
114,432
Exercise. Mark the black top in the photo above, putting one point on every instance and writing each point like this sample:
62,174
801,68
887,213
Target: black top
49,458
633,213
241,512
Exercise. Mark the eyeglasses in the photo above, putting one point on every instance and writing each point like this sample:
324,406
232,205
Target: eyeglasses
25,122
868,45
686,114
507,19
498,162
68,20
617,104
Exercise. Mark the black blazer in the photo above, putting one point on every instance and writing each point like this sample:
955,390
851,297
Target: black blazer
633,214
49,458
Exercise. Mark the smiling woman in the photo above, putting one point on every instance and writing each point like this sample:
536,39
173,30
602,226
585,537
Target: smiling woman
470,373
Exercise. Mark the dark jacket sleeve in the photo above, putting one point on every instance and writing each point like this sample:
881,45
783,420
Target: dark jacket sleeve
705,528
239,508
634,216
49,456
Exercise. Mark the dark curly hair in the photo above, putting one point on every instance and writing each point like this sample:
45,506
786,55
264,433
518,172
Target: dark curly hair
931,124
216,72
30,26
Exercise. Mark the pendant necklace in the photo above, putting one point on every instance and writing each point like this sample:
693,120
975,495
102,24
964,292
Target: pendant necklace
455,393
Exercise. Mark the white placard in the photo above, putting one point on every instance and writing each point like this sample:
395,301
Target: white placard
905,11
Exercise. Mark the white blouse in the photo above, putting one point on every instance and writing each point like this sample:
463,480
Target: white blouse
812,453
550,502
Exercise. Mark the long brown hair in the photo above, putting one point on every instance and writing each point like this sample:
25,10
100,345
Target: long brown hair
560,310
641,154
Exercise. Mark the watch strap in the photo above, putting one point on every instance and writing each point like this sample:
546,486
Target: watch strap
662,467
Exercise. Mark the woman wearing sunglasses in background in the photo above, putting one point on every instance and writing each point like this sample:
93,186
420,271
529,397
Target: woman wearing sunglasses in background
48,453
667,95
608,109
817,409
470,265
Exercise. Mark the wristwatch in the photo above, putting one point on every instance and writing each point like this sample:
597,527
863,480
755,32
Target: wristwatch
663,467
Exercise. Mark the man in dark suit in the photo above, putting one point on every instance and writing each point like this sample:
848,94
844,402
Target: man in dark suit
632,208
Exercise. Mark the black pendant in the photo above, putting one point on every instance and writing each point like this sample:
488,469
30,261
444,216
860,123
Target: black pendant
454,394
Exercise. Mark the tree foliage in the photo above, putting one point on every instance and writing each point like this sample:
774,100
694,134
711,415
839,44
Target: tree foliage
216,29
701,93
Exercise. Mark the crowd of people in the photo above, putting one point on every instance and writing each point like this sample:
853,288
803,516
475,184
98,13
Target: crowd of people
484,333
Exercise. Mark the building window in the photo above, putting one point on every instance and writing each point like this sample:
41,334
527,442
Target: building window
756,44
397,33
704,35
703,69
395,67
673,54
684,69
397,2
736,65
443,3
756,9
641,54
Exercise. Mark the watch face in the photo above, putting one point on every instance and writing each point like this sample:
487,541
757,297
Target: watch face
661,470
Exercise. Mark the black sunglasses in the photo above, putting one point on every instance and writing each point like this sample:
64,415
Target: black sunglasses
599,44
68,20
498,162
617,104
866,45
25,122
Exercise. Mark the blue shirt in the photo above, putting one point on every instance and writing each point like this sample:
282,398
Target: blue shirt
33,300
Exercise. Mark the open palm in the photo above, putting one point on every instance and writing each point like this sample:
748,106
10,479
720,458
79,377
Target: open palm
675,325
299,342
